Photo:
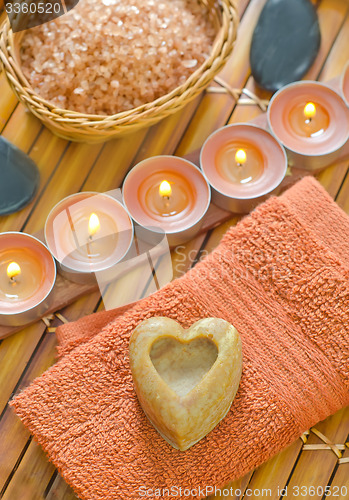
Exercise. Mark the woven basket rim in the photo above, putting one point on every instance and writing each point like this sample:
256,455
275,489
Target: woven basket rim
134,111
226,15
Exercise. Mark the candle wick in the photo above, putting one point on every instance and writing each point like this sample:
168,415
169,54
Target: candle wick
88,249
13,280
166,200
239,164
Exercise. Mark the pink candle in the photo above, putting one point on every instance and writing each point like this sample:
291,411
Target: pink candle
27,276
89,234
243,164
345,84
312,121
167,194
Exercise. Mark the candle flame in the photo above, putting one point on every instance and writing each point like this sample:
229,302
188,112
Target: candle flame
13,270
93,224
240,156
165,189
309,110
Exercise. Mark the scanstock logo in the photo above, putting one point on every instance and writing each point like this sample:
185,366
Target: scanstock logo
25,14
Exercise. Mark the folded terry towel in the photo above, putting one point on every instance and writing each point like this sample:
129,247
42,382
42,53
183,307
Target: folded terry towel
281,276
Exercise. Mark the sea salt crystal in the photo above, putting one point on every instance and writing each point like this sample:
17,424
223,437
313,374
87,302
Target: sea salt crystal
189,64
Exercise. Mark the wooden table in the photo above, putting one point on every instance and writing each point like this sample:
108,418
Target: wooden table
25,473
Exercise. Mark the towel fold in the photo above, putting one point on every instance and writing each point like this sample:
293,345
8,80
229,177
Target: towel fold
281,277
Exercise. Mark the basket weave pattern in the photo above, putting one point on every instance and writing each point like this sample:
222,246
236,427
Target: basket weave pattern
81,127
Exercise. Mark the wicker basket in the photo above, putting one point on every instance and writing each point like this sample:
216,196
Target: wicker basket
81,127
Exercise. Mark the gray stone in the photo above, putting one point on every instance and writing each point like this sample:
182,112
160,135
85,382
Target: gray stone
285,42
19,178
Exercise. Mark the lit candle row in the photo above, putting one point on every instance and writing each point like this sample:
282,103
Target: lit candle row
308,125
89,234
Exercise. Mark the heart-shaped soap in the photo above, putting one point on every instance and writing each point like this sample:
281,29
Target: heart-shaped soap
185,380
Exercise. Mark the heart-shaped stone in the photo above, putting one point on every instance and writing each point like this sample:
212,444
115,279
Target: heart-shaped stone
185,380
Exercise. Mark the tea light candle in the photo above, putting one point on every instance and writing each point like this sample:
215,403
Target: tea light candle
27,276
89,234
345,84
312,121
167,194
243,164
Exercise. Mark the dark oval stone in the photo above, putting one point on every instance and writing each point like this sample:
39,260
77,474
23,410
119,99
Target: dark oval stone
285,42
19,178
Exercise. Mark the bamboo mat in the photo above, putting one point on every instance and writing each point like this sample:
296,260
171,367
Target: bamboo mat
321,457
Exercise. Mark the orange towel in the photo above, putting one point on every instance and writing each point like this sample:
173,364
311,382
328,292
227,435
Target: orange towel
281,277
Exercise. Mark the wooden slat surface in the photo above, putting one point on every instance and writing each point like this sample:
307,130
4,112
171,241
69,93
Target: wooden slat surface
25,473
